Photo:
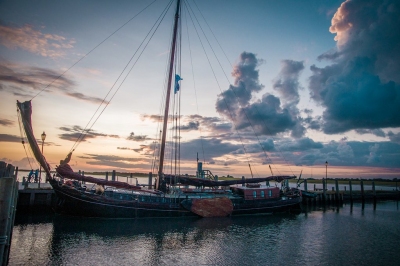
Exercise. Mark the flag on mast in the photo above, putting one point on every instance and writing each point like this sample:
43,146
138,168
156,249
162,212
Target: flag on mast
177,79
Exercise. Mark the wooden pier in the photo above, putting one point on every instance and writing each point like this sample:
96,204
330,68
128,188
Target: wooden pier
325,196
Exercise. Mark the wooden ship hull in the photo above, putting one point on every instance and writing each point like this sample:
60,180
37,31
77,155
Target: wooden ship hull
130,205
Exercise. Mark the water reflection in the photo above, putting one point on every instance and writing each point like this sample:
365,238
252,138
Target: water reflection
314,237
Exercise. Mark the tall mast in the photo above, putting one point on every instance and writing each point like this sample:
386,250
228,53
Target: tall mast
171,70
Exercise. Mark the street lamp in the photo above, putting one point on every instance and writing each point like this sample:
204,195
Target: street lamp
40,172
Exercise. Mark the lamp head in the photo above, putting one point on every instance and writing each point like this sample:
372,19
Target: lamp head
43,136
326,163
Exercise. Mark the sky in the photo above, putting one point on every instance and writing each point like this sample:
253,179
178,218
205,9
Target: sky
286,84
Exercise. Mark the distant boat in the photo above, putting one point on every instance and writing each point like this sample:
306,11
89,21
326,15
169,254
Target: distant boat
172,195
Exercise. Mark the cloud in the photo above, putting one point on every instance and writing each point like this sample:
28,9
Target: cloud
287,82
74,132
6,122
246,82
268,115
361,88
395,137
373,155
117,161
212,148
302,144
139,138
23,81
377,132
29,39
9,138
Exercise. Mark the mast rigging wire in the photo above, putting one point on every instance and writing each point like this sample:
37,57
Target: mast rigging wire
62,74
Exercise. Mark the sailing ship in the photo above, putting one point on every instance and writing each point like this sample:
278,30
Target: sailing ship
172,195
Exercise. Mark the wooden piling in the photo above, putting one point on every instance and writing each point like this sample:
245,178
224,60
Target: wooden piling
113,175
150,179
324,185
8,202
337,190
351,192
373,191
305,185
362,190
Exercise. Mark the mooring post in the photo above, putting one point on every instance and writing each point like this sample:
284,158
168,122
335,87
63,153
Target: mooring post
324,189
243,182
337,189
107,176
373,191
351,192
305,185
150,179
113,175
362,189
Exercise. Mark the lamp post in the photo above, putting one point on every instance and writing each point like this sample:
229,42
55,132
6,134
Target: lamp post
40,172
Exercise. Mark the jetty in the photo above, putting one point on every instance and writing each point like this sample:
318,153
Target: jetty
325,191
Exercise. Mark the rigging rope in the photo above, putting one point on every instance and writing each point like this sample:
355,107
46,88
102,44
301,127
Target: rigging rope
219,86
244,111
62,74
194,87
86,129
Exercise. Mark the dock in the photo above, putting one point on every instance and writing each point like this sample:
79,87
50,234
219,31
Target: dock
335,195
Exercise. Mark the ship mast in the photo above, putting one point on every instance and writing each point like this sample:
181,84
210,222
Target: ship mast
166,112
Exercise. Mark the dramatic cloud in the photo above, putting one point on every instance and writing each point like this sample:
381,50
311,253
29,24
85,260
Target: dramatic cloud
6,122
246,82
24,81
74,132
268,115
361,89
29,39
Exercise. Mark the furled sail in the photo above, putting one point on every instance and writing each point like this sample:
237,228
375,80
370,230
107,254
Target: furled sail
25,111
66,171
170,179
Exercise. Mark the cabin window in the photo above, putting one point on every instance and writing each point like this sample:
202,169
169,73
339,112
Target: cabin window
254,194
269,193
262,194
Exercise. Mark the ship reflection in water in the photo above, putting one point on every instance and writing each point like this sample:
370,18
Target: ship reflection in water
349,235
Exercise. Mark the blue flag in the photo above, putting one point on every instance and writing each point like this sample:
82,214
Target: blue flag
177,79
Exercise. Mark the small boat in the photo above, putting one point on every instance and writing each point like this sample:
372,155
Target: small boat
172,195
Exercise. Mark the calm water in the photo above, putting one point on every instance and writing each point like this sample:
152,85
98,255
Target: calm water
349,235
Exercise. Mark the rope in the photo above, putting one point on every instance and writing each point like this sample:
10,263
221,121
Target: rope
86,129
62,74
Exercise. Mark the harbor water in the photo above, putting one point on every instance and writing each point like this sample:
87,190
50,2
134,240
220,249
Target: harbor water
347,235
